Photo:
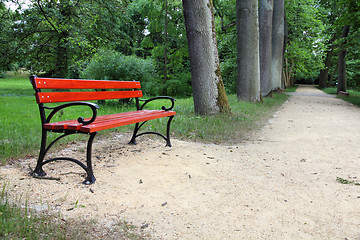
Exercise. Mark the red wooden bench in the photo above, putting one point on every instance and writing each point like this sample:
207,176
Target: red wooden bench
46,91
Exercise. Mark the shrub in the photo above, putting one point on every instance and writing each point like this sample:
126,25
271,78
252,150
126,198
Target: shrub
112,65
179,86
2,74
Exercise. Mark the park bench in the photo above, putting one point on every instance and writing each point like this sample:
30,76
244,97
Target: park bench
74,92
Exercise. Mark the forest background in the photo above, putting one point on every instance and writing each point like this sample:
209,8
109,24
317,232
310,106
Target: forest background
147,41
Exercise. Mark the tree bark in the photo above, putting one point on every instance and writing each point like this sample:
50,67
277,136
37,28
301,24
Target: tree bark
248,62
165,50
342,62
61,68
208,88
265,27
277,43
324,73
62,48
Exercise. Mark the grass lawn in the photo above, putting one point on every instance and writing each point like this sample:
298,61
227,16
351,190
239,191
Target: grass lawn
354,96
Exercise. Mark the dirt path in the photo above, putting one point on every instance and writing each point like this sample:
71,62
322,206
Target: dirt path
280,186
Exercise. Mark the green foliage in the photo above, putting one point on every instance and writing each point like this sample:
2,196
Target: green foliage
51,36
352,59
346,181
306,36
226,35
112,65
166,38
180,87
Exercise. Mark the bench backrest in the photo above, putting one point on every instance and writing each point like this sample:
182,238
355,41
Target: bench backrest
124,89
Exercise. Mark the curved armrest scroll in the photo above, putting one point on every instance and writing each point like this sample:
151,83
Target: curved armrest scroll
157,98
93,107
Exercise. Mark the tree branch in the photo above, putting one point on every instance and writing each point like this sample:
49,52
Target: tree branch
44,14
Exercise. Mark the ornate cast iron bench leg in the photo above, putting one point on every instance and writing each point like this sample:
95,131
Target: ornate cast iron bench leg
138,126
39,172
168,143
90,179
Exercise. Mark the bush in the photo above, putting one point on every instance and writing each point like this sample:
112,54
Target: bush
2,74
179,86
112,65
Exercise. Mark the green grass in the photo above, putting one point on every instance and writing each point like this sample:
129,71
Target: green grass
346,181
22,222
354,96
291,89
18,222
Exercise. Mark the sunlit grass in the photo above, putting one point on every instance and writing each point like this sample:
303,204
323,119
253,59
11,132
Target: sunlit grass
354,96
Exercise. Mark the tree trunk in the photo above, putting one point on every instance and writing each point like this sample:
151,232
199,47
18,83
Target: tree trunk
329,83
342,62
286,38
324,73
287,74
208,88
166,44
62,49
265,27
277,44
248,63
61,68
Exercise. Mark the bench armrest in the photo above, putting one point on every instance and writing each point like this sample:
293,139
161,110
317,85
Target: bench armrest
93,107
157,98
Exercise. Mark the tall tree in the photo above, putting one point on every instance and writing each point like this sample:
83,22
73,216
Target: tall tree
332,11
166,43
52,35
324,73
248,63
265,24
342,62
7,40
208,88
277,43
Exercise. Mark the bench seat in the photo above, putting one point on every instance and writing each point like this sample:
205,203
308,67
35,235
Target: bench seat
54,94
109,121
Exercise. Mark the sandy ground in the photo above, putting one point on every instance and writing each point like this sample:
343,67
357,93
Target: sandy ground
281,185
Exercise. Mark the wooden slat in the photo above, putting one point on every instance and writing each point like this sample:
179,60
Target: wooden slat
110,121
94,127
106,118
63,125
50,97
57,83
